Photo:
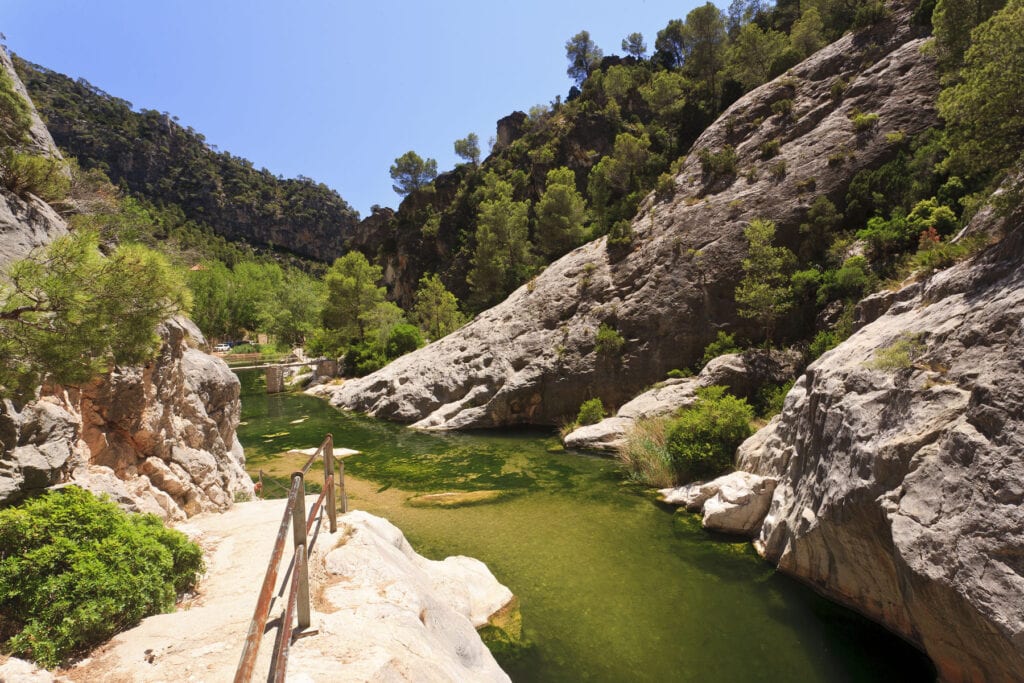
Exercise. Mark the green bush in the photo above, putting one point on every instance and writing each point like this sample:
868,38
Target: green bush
724,343
899,355
770,398
608,341
677,373
778,170
701,442
75,570
718,164
770,148
402,339
863,122
782,107
591,412
29,174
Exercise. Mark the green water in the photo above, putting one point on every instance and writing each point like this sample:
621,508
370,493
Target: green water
613,586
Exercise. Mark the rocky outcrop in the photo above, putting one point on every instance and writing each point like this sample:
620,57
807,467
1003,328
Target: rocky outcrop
742,373
26,224
533,358
901,475
735,503
381,612
159,438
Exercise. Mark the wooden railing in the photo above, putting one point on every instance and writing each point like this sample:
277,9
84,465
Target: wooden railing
298,593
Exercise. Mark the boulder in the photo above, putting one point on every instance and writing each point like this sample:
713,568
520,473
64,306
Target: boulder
391,614
901,483
740,504
533,359
735,503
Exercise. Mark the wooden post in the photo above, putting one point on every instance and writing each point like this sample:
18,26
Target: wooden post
341,482
299,536
332,510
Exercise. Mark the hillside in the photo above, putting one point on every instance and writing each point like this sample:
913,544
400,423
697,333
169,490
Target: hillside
535,357
154,157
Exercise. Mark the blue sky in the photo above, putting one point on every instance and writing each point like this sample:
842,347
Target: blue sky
330,90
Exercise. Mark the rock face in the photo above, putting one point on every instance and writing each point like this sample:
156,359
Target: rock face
743,373
159,438
533,358
26,225
901,483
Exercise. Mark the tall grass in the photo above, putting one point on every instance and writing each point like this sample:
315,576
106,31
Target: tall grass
644,454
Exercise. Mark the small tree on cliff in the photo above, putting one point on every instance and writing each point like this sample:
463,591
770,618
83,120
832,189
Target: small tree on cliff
468,148
411,172
764,294
584,56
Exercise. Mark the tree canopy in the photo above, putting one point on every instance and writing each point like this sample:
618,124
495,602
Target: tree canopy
468,148
411,172
68,313
985,121
584,56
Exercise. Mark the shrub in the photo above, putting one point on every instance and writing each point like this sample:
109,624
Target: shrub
701,442
770,398
936,255
591,412
608,341
621,234
678,373
899,355
777,170
863,122
29,174
75,570
666,187
724,343
870,13
770,148
782,107
837,89
644,455
402,339
718,164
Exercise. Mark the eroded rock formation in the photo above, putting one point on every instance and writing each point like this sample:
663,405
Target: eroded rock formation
533,358
901,482
159,438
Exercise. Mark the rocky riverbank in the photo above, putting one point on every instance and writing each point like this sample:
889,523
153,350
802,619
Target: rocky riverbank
893,480
380,611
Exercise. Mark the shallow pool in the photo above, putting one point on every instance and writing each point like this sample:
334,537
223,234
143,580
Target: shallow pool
613,586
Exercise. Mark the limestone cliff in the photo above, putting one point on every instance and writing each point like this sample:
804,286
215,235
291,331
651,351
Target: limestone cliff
901,484
27,224
159,438
533,358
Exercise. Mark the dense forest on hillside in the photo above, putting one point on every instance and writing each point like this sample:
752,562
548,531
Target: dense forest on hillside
153,157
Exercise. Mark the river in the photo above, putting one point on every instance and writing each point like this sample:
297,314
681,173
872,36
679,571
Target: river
613,586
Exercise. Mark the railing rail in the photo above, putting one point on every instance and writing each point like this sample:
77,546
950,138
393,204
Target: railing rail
297,605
